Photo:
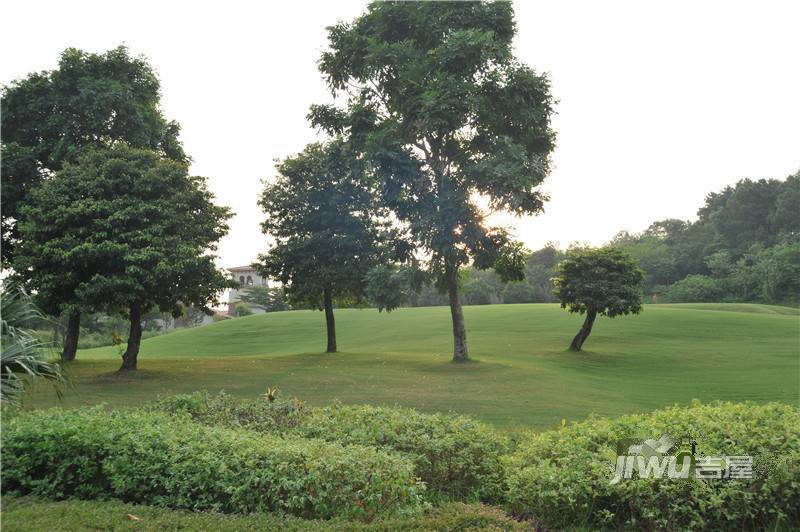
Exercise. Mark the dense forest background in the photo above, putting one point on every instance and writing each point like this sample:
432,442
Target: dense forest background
744,247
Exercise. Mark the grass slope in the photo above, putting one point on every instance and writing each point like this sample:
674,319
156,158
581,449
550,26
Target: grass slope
521,373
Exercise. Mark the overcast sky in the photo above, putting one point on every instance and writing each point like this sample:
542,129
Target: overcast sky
659,102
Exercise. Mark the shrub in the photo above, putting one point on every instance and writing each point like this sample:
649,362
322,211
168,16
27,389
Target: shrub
258,414
563,477
696,289
457,457
30,513
152,458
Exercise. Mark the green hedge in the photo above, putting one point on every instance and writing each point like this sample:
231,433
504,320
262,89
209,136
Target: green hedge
259,414
167,461
457,457
562,478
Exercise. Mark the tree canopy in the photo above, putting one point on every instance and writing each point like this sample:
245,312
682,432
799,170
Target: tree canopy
592,281
122,230
329,230
441,111
89,101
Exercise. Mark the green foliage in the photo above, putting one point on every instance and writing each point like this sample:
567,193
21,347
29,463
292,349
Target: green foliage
457,457
270,299
162,460
438,109
519,292
695,289
243,309
123,226
328,227
23,514
391,286
260,415
603,280
480,287
743,247
22,352
89,101
122,229
563,476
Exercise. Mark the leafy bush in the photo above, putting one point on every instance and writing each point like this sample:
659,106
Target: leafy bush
563,477
259,414
457,457
162,460
23,514
696,289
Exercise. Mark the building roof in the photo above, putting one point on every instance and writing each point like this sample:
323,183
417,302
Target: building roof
247,268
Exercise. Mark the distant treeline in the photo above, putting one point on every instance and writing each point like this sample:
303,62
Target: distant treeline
744,247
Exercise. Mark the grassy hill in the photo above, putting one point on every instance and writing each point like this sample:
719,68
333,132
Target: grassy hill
521,373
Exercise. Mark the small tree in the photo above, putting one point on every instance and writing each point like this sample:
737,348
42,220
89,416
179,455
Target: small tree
328,228
594,281
271,299
124,230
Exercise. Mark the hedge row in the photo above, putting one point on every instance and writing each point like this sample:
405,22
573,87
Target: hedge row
162,460
457,457
367,466
562,477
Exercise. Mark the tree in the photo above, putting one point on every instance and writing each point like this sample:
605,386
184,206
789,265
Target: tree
50,118
328,227
124,230
594,281
270,299
440,111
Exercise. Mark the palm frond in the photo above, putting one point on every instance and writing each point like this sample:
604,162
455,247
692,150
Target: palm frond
23,354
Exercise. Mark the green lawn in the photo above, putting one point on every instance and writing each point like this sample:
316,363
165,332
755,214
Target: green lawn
521,373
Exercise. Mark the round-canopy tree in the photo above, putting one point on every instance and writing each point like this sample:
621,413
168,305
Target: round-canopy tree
49,118
441,112
329,230
124,230
592,281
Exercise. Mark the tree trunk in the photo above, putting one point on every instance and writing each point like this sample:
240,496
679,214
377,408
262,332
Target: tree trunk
71,336
134,339
329,321
459,332
585,331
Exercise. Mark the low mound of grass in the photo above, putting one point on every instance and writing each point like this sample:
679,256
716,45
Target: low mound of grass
522,375
753,308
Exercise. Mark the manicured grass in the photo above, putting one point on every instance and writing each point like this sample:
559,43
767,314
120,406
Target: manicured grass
521,373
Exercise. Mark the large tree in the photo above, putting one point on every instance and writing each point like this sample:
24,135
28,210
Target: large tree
123,230
48,118
328,229
441,112
604,281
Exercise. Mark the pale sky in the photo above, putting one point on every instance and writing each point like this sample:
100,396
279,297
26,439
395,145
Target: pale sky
659,102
